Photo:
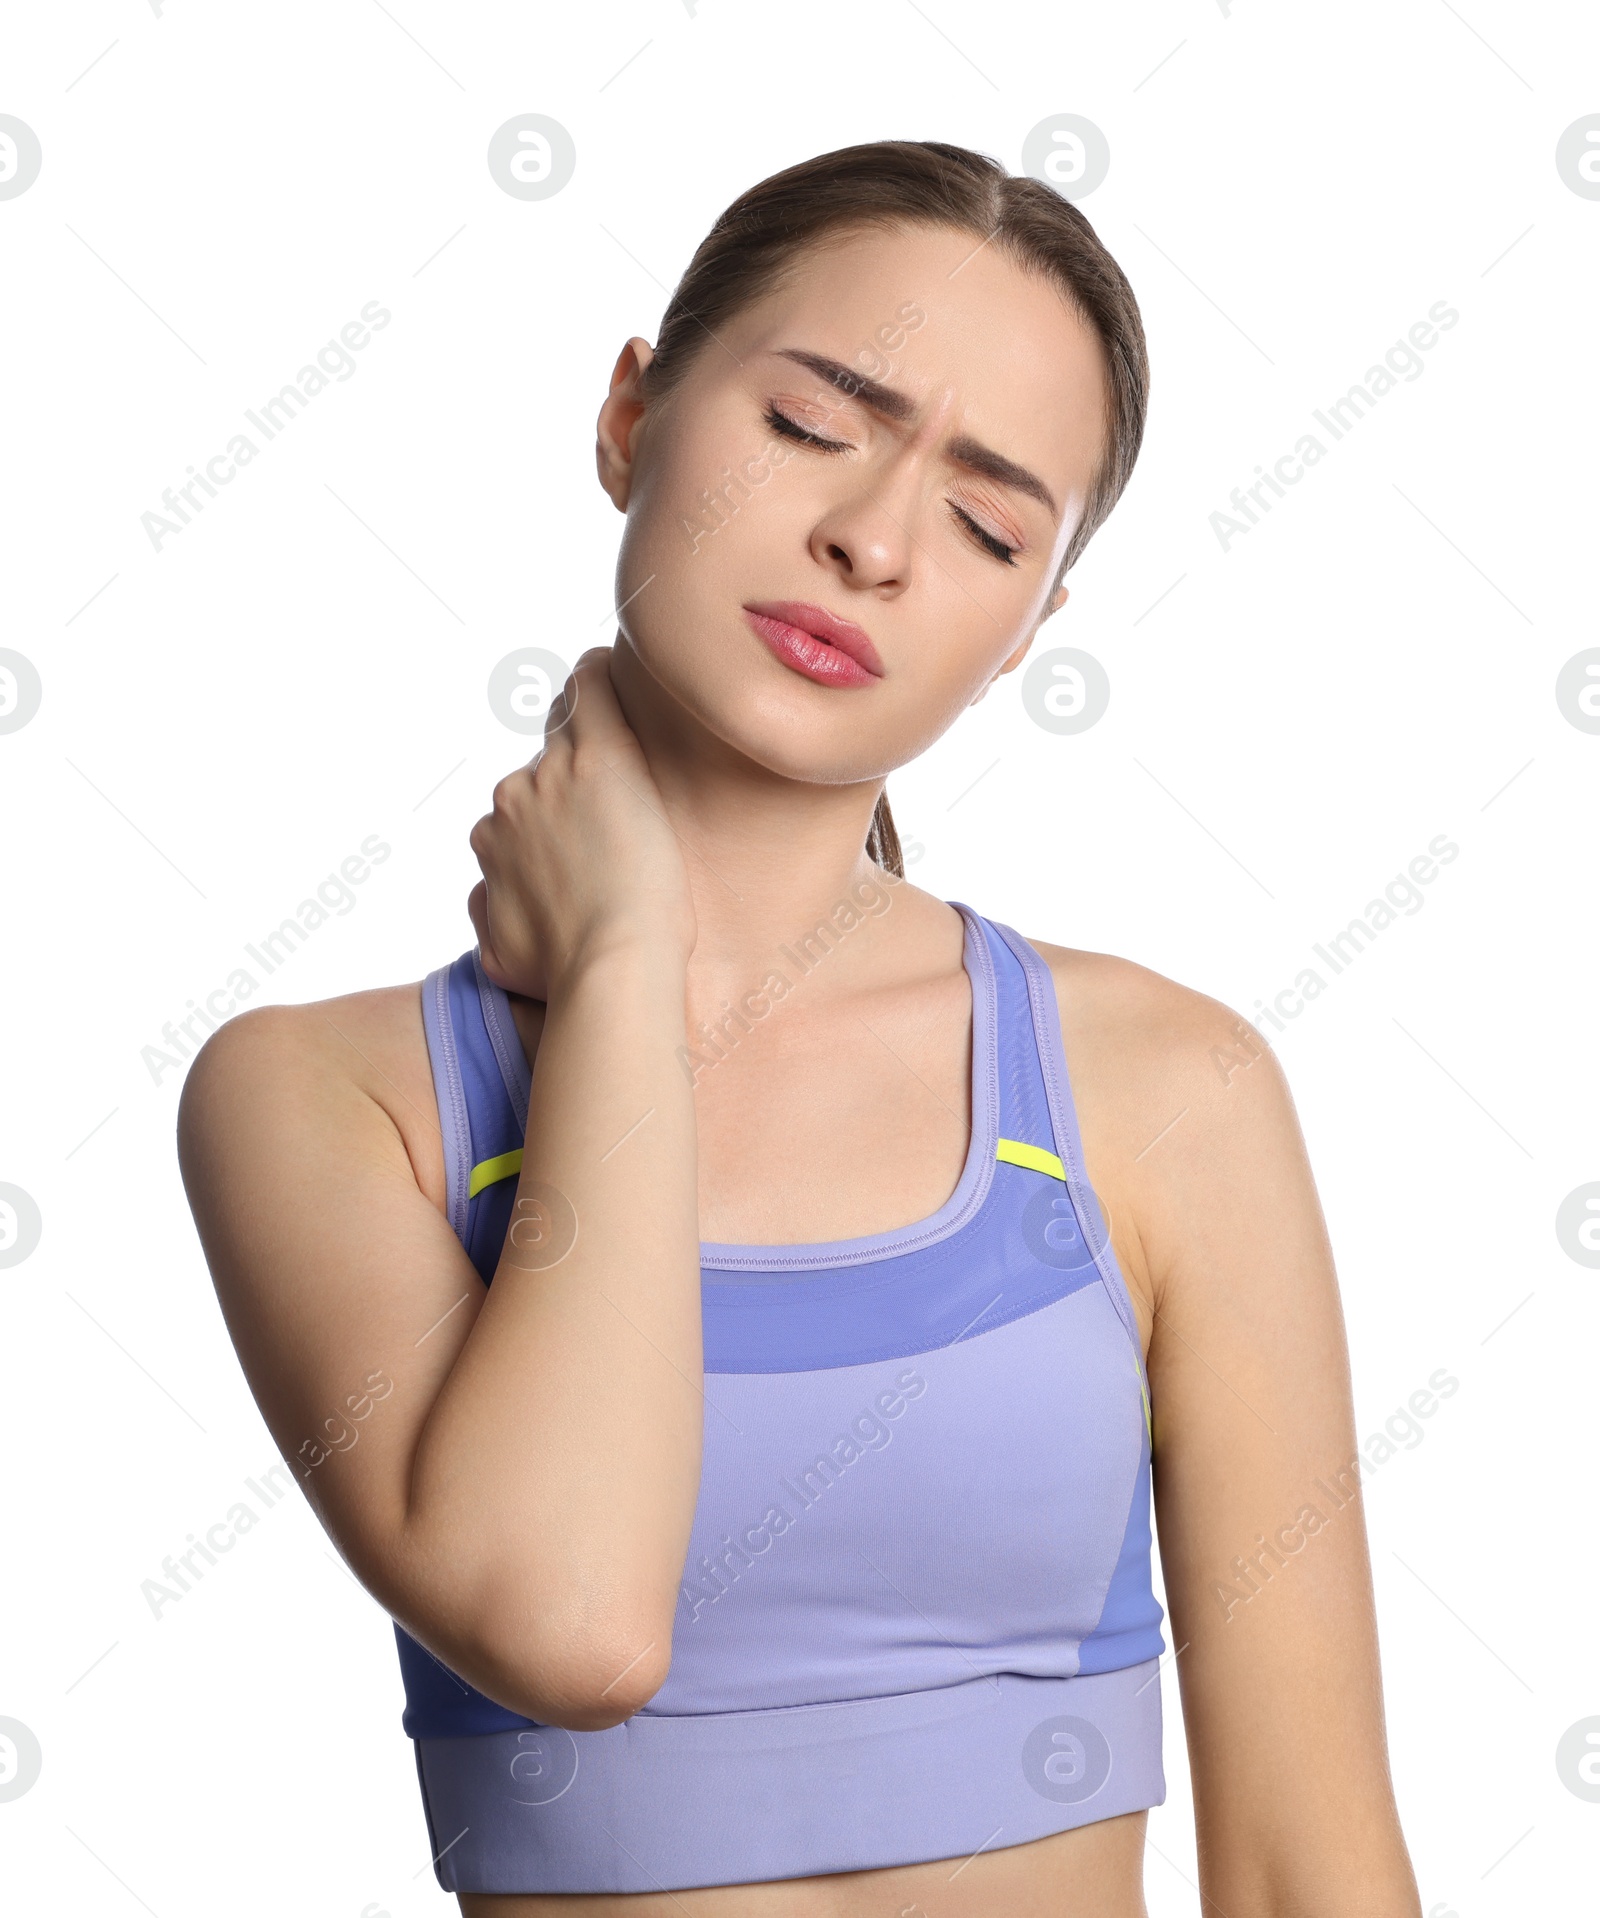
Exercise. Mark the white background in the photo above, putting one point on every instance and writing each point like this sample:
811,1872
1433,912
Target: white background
226,719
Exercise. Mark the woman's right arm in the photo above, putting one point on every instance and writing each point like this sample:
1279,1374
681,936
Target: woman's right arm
522,1501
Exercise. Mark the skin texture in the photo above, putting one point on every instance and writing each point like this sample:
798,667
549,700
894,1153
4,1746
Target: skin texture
698,804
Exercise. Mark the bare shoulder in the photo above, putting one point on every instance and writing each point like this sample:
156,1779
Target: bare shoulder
308,1141
1114,1006
1179,1097
360,1058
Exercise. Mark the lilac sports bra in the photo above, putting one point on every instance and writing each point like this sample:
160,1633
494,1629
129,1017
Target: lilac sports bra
916,1618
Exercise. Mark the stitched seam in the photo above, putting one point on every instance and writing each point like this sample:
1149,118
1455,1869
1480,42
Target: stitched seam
1063,1121
455,1129
490,998
936,1694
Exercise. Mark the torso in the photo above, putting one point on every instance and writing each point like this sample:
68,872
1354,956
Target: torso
893,1070
889,1067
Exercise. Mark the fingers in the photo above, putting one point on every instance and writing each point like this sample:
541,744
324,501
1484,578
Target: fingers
478,913
562,708
591,708
586,708
522,950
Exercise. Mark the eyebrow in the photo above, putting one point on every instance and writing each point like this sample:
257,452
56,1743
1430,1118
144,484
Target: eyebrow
893,405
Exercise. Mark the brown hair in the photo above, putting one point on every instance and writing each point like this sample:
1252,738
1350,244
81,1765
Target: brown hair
762,236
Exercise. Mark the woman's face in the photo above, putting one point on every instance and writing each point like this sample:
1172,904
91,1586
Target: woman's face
903,438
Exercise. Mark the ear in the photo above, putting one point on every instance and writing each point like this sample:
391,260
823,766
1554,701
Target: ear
617,429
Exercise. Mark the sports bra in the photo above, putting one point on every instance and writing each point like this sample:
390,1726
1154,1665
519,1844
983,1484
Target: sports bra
916,1618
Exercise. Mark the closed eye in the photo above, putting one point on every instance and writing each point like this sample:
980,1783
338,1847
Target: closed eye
790,429
786,428
985,539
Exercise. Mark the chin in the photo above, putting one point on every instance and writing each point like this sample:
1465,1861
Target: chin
709,667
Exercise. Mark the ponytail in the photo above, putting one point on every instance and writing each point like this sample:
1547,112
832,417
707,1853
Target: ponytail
883,842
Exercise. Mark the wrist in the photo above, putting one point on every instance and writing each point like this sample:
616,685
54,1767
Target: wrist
624,959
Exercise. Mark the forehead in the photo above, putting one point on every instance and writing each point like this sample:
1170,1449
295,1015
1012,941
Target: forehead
953,322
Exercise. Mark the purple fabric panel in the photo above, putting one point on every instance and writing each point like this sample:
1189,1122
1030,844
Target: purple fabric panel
1129,1630
954,1535
1024,1107
490,1111
981,1277
454,1125
667,1804
1069,1145
976,1528
507,1044
492,1124
1130,1627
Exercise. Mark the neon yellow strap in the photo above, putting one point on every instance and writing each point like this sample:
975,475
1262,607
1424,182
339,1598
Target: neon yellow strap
1034,1157
1013,1151
491,1171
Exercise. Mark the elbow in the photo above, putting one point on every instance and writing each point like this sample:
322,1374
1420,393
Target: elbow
583,1659
600,1695
581,1685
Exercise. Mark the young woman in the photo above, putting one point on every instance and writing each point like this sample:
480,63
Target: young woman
760,1289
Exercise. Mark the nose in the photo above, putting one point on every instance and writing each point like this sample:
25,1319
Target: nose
868,535
863,536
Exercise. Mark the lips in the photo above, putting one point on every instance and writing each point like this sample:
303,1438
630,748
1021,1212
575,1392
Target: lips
815,643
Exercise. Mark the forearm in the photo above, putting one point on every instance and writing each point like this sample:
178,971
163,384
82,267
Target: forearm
1359,1871
560,1464
1295,1812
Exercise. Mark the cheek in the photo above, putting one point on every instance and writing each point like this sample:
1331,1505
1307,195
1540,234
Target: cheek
687,500
716,517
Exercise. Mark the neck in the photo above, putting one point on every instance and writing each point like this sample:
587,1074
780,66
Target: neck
769,858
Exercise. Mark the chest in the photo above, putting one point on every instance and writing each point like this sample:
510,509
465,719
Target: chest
822,1122
926,1443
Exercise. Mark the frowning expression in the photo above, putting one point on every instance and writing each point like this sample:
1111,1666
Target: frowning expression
849,514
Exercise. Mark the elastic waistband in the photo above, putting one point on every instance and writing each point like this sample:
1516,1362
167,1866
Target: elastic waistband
663,1803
